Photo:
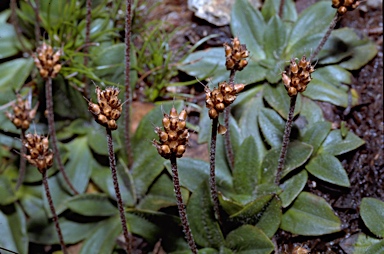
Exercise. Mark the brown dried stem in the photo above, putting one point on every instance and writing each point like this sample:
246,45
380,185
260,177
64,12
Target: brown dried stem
227,137
212,176
23,161
52,132
87,41
112,164
281,8
52,207
287,133
181,206
37,22
334,21
128,98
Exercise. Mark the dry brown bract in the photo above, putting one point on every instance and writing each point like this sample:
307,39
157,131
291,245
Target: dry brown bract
343,6
38,152
47,61
235,54
298,77
23,114
109,107
174,138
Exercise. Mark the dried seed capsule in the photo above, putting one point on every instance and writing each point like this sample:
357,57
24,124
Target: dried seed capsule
228,99
173,113
286,80
172,135
220,107
112,124
236,43
49,160
209,103
17,122
293,66
114,101
166,122
303,62
94,108
244,53
173,145
45,144
183,115
181,125
34,153
213,113
107,110
243,63
228,89
115,114
180,151
239,88
25,125
184,135
219,98
228,50
292,91
43,73
221,129
165,151
174,122
229,64
336,3
342,10
237,56
102,119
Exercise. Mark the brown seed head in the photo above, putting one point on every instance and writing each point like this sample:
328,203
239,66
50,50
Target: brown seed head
235,54
38,153
47,61
298,77
22,114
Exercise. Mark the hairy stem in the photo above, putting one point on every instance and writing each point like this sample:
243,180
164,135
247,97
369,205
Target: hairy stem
112,164
128,98
212,177
287,132
53,211
281,8
227,135
23,161
37,21
52,132
181,206
326,36
87,41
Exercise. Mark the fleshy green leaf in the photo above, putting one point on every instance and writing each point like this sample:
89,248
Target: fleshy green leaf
246,173
14,73
316,134
204,131
272,126
192,172
79,167
372,213
333,74
143,227
205,228
103,238
274,37
248,239
7,194
377,248
270,220
321,14
13,229
278,99
328,168
335,144
251,212
211,63
271,8
92,205
243,20
310,215
250,127
298,153
310,113
230,206
292,188
321,90
359,244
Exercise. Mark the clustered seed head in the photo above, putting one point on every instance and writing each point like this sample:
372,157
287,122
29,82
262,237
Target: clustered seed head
108,107
298,77
38,152
23,114
218,99
174,139
235,54
343,6
47,61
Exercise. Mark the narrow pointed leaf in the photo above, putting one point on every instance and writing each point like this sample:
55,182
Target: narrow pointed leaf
328,168
271,8
310,215
272,126
372,213
248,239
274,37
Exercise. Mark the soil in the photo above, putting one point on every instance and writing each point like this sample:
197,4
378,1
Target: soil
364,166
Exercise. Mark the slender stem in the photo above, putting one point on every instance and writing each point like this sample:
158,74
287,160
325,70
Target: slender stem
37,22
287,133
227,135
112,164
181,206
52,132
87,41
212,177
281,8
23,161
52,207
326,36
128,98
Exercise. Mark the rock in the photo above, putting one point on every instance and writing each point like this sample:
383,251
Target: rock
217,12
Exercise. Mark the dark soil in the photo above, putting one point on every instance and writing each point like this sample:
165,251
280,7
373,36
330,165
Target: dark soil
365,166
